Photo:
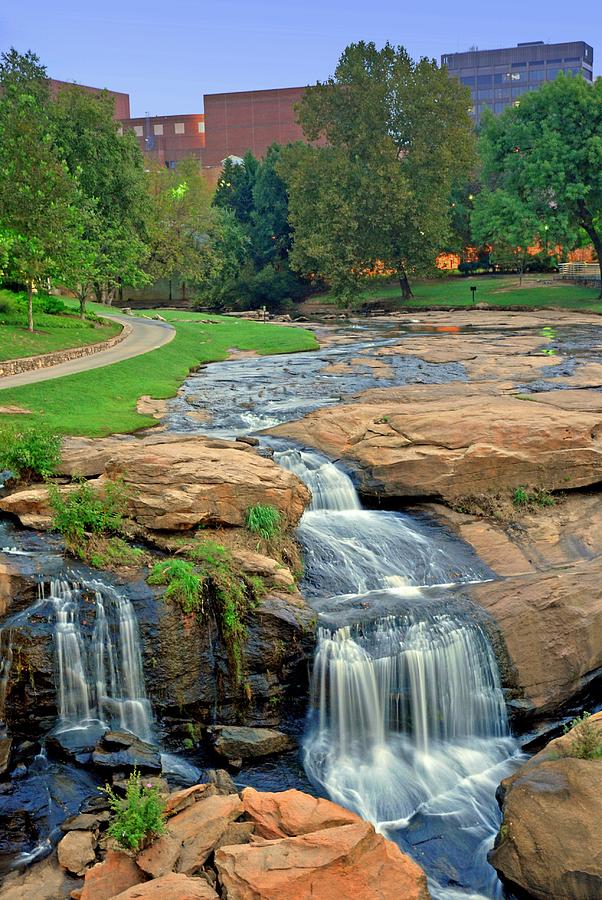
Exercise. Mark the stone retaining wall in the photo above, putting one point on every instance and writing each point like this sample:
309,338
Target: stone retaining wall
45,360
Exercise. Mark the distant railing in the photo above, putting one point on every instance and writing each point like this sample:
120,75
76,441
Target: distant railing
588,273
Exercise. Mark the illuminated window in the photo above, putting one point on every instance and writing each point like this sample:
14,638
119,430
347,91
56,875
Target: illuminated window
138,130
179,128
158,129
201,128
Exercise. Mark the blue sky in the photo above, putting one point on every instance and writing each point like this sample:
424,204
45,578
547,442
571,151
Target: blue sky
166,55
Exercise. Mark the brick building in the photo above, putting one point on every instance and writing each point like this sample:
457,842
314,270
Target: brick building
168,139
121,100
249,120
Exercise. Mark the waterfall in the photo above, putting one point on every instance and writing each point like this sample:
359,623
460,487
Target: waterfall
98,668
407,723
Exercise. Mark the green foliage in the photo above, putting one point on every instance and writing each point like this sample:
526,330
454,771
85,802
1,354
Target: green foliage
537,497
235,187
184,585
397,136
546,155
586,739
139,817
263,520
82,511
31,453
112,553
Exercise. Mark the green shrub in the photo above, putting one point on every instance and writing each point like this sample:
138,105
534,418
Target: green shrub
52,305
31,453
536,497
586,739
139,817
113,552
263,520
82,511
184,584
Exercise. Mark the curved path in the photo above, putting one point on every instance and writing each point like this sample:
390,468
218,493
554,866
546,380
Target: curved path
146,335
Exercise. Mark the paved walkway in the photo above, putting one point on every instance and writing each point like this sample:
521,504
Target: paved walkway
146,335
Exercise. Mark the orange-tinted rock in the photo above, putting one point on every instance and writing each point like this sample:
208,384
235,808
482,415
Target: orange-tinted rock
291,813
199,828
76,851
171,887
161,857
181,800
350,862
114,875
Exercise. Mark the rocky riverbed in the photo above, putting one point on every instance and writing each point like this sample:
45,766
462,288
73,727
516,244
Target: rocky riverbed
437,423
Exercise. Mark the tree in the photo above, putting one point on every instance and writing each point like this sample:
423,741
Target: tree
547,153
110,171
397,135
500,220
270,232
234,189
39,198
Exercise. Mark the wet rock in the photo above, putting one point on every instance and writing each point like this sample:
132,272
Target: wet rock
551,629
238,742
6,744
549,841
115,874
76,851
44,880
198,829
85,821
76,744
236,833
174,886
347,862
290,813
122,750
161,857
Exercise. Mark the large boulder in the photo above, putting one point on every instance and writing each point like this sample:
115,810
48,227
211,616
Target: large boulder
175,482
289,813
115,874
45,880
174,886
343,863
198,829
446,444
549,842
76,851
551,629
242,742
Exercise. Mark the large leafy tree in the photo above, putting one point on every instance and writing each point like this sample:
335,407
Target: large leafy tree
40,200
396,135
234,189
270,232
509,227
110,170
547,153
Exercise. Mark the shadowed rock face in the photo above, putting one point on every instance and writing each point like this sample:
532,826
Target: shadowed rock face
548,845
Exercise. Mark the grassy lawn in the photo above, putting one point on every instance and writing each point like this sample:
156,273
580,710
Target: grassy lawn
103,401
497,291
52,332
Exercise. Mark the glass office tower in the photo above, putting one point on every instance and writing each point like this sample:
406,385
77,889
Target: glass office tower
498,78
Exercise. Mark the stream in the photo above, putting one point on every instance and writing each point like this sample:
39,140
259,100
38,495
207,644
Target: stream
406,721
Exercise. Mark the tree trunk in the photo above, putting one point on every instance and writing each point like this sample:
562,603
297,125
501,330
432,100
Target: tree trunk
587,223
29,306
406,290
81,296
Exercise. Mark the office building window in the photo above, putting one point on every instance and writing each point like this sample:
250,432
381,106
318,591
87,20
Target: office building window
519,65
158,129
586,74
484,80
201,128
179,128
138,130
517,91
502,94
468,79
537,75
498,78
512,76
499,107
485,95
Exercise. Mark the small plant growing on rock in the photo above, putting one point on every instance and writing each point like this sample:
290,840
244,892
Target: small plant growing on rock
536,497
263,520
30,453
184,584
83,512
586,739
139,817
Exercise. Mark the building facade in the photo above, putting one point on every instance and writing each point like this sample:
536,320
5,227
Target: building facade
249,120
499,78
168,139
121,100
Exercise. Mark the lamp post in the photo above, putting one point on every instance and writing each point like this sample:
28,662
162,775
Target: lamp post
473,289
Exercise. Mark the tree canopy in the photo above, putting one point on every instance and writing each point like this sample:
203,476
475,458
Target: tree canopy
390,136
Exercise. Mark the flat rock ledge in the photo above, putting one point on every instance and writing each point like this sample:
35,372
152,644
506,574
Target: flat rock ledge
549,842
222,844
174,482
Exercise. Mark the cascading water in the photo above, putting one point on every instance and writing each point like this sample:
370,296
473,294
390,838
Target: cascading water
407,724
99,672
